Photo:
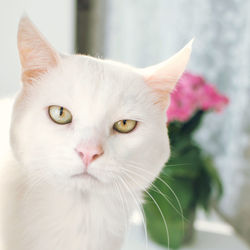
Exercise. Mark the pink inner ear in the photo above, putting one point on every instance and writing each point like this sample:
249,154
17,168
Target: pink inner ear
163,77
161,82
36,55
161,89
35,64
29,76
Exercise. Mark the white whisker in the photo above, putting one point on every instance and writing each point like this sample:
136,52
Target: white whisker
139,208
123,205
167,185
164,196
158,207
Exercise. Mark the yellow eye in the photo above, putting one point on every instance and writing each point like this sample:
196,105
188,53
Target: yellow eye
125,126
60,114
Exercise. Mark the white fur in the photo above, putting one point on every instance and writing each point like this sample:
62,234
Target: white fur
43,207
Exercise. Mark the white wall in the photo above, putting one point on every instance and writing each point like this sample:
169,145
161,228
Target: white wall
54,18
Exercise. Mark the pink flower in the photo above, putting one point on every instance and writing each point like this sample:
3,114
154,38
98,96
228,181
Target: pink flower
193,93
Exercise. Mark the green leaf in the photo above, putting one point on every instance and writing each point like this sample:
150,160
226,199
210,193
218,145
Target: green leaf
192,124
184,162
214,176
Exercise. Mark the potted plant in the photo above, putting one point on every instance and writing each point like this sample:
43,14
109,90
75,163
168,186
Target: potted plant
189,179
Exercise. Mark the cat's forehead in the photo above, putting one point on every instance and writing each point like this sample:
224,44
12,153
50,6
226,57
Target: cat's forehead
93,70
100,80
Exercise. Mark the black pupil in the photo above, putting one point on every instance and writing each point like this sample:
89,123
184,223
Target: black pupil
124,122
61,111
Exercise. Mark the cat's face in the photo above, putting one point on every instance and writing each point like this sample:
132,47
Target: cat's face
89,123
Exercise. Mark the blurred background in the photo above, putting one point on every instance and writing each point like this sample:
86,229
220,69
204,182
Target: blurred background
145,32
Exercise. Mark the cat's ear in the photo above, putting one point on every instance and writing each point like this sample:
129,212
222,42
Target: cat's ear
163,77
36,55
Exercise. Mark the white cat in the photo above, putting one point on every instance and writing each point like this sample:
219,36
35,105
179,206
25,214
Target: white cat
87,137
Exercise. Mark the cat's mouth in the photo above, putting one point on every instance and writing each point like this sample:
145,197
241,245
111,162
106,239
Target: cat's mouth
85,175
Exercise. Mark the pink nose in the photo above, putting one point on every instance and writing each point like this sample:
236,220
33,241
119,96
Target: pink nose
89,153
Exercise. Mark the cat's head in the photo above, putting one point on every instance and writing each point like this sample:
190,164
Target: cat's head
90,123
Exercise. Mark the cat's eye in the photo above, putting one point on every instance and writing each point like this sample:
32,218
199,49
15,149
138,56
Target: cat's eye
125,126
59,114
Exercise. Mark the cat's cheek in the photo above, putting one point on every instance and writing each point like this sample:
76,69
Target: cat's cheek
142,154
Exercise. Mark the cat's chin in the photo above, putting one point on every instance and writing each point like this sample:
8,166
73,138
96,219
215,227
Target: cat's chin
87,182
85,176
